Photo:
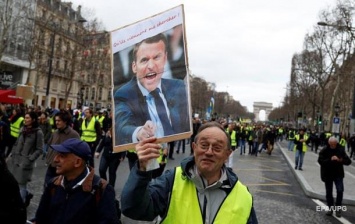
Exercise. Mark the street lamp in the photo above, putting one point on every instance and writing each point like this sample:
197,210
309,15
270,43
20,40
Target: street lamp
318,121
350,30
80,98
336,121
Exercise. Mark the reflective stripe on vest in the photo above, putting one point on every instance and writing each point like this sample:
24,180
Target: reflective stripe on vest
88,132
185,208
15,127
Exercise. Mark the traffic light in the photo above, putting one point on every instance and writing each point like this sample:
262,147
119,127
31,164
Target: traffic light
320,120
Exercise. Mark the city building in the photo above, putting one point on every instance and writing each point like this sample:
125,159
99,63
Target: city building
73,62
16,33
95,84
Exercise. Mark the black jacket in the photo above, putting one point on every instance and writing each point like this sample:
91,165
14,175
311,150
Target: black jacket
77,204
332,169
12,209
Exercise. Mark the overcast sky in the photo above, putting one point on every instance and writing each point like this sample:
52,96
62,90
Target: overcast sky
244,47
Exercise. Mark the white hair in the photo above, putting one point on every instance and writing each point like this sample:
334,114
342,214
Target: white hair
333,139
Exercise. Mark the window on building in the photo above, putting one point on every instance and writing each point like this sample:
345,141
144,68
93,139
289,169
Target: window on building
57,63
65,65
92,93
100,93
86,93
109,94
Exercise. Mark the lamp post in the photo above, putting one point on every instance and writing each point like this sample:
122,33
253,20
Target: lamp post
80,98
318,121
350,30
336,121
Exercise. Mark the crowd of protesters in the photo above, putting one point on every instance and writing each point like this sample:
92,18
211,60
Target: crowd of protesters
28,134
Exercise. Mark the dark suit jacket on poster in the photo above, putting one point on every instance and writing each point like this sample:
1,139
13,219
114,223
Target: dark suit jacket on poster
131,109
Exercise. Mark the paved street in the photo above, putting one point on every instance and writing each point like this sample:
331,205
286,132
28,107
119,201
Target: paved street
278,195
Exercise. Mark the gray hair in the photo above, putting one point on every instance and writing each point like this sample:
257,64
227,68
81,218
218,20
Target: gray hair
333,139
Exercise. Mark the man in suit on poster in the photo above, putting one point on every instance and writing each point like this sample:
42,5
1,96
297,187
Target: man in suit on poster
149,105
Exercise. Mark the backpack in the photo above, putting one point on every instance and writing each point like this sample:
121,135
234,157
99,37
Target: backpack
292,135
98,189
102,183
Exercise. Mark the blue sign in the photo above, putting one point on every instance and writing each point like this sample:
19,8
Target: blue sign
336,120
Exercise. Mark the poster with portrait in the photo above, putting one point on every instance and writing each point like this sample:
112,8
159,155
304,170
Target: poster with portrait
151,95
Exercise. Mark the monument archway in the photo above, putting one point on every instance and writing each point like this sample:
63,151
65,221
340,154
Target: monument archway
258,106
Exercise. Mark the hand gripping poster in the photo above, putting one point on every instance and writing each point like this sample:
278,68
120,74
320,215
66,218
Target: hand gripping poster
151,95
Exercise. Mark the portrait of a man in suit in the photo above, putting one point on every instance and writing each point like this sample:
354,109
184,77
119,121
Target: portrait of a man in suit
148,104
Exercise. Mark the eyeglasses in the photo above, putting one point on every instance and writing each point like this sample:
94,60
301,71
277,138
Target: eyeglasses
205,146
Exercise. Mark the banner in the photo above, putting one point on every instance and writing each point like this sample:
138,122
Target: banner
150,77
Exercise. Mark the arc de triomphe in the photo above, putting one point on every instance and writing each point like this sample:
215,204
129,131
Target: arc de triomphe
258,106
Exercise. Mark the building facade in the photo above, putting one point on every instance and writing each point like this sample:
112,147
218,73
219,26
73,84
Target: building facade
16,32
70,69
95,85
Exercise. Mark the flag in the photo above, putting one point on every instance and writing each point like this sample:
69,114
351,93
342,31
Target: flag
211,106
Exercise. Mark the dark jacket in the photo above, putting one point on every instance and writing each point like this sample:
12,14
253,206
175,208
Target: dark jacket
76,204
298,144
131,108
106,145
329,170
143,199
4,131
12,208
46,128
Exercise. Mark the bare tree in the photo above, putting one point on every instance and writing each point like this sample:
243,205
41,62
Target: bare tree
15,27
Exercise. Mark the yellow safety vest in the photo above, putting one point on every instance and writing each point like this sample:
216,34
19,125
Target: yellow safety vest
101,120
160,158
88,132
184,206
52,123
233,138
304,145
342,142
15,127
251,135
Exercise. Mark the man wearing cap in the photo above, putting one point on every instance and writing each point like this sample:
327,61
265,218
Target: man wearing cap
70,197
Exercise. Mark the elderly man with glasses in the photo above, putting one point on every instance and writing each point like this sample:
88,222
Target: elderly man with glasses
201,190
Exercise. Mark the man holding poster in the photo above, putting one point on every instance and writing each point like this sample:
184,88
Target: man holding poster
149,105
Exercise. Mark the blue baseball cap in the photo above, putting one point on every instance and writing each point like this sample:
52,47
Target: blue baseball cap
75,146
